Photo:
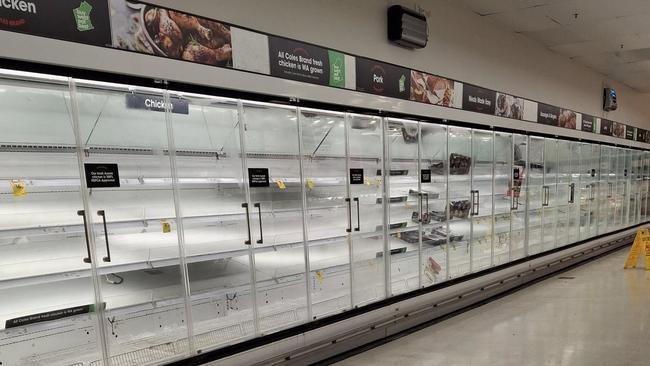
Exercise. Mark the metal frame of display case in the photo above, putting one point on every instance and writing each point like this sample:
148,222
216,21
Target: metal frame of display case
184,234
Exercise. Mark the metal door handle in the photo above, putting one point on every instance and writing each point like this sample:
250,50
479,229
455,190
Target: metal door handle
427,196
82,213
610,185
592,189
515,199
358,228
349,229
108,248
572,187
545,196
259,213
248,223
475,202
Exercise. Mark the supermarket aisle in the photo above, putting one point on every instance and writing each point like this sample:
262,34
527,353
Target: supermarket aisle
597,314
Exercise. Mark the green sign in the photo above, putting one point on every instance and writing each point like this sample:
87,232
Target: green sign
82,17
337,69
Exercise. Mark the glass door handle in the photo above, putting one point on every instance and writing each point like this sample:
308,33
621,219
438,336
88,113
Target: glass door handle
82,213
248,223
108,248
349,229
572,187
358,228
259,214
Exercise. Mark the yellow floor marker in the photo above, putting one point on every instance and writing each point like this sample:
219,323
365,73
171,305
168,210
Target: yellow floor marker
641,246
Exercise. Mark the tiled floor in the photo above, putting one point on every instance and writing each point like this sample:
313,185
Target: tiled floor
601,317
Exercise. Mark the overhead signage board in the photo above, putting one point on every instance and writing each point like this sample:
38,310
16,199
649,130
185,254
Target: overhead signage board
606,127
146,28
380,78
78,21
307,63
477,99
588,123
548,114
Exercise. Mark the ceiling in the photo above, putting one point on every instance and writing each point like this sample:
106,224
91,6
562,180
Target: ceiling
609,36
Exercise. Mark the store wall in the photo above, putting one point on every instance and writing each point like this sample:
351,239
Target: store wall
462,46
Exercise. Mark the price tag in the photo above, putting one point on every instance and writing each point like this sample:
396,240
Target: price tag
18,188
310,184
320,276
280,184
166,227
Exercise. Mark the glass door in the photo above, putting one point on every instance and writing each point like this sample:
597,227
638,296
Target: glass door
550,199
275,213
620,189
133,221
518,194
435,228
504,195
211,192
459,165
481,199
605,188
590,162
629,195
45,260
575,200
645,156
325,177
407,204
563,197
635,186
366,205
536,193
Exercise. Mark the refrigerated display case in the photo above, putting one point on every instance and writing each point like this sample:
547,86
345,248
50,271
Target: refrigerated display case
142,225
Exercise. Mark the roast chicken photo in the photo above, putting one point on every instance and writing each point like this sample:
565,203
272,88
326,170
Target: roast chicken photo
187,37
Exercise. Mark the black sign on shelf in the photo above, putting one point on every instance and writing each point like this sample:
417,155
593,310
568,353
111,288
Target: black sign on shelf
79,21
425,176
156,103
629,132
298,61
48,316
258,177
380,78
478,99
356,176
102,175
548,114
606,127
587,123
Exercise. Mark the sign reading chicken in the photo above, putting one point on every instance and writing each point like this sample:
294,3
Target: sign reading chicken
159,31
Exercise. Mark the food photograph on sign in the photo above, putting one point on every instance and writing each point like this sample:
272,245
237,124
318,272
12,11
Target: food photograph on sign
567,119
158,31
618,130
431,89
509,106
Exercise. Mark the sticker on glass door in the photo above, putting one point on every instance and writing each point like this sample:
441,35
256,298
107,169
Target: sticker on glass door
258,177
102,175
